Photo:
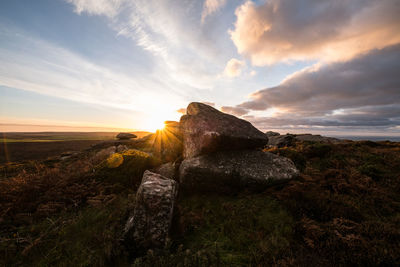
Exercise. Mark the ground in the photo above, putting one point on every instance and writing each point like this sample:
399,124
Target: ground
344,209
37,146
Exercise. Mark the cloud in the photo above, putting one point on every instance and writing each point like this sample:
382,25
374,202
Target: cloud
109,8
51,70
182,111
362,91
237,111
210,7
234,67
175,39
324,30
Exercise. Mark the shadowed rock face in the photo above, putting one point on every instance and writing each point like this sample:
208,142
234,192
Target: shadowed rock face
167,170
224,171
206,130
150,224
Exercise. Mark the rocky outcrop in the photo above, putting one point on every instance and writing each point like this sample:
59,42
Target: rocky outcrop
277,140
125,136
281,140
316,138
150,224
103,154
165,144
271,133
206,130
232,170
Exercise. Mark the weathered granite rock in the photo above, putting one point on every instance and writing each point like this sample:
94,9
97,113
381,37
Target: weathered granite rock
103,154
165,144
125,136
271,133
150,224
173,127
170,143
167,170
281,140
206,130
290,139
235,170
316,138
121,148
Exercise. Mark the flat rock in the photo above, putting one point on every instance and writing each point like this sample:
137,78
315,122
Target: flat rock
235,170
206,130
151,221
125,136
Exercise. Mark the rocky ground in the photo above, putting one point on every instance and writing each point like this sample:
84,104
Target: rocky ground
211,196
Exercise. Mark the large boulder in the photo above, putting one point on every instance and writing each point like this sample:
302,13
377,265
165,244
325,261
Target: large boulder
206,130
234,170
151,221
125,136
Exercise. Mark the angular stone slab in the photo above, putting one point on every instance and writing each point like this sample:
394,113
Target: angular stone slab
206,130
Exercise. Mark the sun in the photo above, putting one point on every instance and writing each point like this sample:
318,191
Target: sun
153,124
153,120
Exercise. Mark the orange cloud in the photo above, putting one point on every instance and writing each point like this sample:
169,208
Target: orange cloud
325,30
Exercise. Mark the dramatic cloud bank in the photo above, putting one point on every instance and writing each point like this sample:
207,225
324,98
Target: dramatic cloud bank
364,91
302,30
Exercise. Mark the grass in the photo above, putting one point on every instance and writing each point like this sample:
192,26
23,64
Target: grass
343,210
125,168
245,229
7,140
84,237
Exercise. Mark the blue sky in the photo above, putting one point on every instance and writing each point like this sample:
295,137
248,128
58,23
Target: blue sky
133,64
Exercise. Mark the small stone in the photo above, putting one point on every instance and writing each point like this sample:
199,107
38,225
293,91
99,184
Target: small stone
125,136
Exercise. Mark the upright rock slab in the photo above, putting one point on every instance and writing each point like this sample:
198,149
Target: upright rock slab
235,170
206,130
150,224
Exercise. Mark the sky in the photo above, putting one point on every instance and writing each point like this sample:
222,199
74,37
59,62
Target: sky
329,66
